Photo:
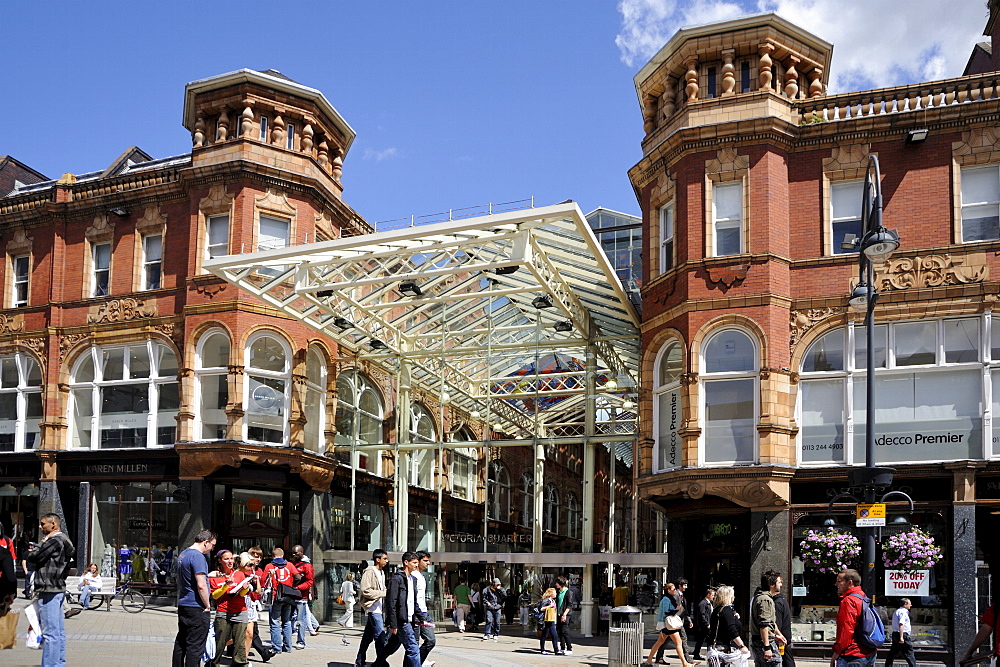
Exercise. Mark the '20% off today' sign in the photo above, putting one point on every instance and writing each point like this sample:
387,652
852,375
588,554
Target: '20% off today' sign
907,582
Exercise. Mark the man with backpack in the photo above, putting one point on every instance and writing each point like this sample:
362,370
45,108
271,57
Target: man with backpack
854,624
282,575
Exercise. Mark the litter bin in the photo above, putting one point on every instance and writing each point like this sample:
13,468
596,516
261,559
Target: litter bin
625,635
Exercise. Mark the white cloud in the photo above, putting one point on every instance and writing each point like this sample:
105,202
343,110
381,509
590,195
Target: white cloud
378,156
876,43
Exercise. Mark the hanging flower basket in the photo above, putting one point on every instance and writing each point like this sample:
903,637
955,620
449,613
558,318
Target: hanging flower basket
914,550
829,550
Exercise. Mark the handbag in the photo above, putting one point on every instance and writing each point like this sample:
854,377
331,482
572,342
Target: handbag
8,629
660,625
288,593
674,622
340,599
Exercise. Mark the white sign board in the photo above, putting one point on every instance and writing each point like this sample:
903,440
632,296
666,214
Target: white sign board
907,582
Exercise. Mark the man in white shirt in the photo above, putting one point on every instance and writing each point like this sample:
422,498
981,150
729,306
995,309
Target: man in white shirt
424,620
901,644
372,593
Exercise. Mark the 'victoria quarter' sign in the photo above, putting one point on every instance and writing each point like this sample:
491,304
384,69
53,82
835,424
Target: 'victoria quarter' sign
907,582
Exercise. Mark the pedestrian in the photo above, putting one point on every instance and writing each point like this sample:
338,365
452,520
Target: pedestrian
682,606
477,612
463,604
230,584
348,598
254,604
305,584
492,600
668,609
764,634
281,573
372,598
566,601
619,596
424,624
90,582
988,625
724,641
51,559
193,607
8,580
400,608
783,612
846,649
548,606
901,643
702,621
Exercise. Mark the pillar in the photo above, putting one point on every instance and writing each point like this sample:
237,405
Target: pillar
83,526
769,544
587,607
964,624
316,530
198,512
402,472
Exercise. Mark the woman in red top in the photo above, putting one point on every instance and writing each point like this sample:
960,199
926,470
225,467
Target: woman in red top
230,587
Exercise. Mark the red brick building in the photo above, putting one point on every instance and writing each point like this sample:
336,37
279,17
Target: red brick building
754,379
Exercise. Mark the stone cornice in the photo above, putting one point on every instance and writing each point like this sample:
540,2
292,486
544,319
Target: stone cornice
198,460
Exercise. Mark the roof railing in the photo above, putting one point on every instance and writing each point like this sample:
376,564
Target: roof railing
455,214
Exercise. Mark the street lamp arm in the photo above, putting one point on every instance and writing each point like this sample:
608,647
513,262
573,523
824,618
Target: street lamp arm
899,493
837,497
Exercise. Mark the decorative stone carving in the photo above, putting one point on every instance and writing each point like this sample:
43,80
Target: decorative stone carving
246,122
174,332
307,138
846,157
768,491
120,310
210,290
688,379
101,228
275,201
199,130
816,82
792,79
323,154
728,73
152,220
11,323
691,76
217,200
223,132
667,104
338,164
932,271
765,76
36,345
727,275
649,113
978,141
68,341
727,160
801,321
20,244
278,130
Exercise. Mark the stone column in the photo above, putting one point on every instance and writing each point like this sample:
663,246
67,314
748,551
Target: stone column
691,77
82,541
792,79
765,76
728,73
675,549
316,513
965,624
234,408
667,103
769,544
816,82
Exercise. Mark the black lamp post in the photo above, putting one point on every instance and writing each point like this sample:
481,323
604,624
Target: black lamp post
875,245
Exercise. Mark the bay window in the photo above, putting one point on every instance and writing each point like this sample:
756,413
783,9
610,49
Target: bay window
20,402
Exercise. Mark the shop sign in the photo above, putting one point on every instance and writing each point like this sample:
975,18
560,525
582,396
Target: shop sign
264,400
669,440
143,524
7,426
907,582
934,440
151,468
492,538
870,515
125,421
988,488
799,591
18,469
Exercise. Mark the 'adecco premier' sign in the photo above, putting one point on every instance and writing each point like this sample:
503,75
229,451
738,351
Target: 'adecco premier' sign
669,440
906,583
945,439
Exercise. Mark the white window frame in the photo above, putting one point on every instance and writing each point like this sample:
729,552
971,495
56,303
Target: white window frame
97,270
284,375
202,372
728,222
152,383
572,516
20,281
358,384
418,415
148,264
659,390
211,248
498,492
318,390
835,248
550,521
264,123
965,205
290,136
527,500
22,391
668,228
706,378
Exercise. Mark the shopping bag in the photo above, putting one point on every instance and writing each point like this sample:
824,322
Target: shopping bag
8,629
209,652
34,636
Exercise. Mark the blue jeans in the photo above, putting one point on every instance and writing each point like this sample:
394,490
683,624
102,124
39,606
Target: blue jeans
374,631
492,623
281,626
852,661
405,637
50,615
85,595
302,614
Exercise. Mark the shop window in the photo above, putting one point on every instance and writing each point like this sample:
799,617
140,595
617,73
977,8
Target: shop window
930,393
135,530
527,500
730,395
727,218
666,238
267,390
667,398
551,521
421,528
421,460
980,204
212,372
20,403
498,490
359,419
124,397
19,284
845,213
315,403
572,516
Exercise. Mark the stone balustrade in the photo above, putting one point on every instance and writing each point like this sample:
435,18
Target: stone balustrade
899,99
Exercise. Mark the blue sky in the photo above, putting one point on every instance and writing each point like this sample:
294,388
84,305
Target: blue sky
455,103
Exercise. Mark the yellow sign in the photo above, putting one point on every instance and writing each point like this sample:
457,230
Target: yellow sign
871,515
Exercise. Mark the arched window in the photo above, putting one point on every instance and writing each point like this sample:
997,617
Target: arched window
527,500
667,399
572,516
421,460
20,402
124,396
498,483
359,418
464,468
729,383
211,369
551,521
268,390
315,403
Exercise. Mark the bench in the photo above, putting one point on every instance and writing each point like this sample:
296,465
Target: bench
107,589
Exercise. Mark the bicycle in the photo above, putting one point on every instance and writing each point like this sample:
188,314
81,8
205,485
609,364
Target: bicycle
132,601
